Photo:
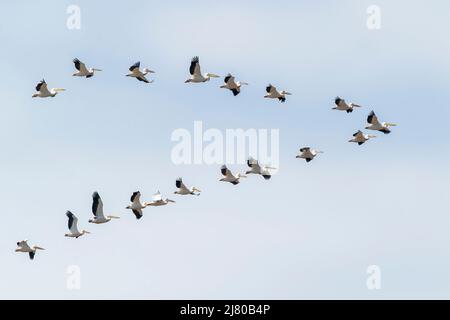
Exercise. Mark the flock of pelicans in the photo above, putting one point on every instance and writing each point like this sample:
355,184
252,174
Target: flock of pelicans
136,206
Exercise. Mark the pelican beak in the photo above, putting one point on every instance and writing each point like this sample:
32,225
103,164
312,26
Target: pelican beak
17,250
212,75
97,69
391,124
59,89
39,248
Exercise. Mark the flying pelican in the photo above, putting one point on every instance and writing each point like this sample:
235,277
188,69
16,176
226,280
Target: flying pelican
82,70
376,125
97,210
73,228
360,137
196,74
183,190
136,205
229,177
22,246
257,169
43,92
158,201
136,73
344,106
274,94
308,154
232,85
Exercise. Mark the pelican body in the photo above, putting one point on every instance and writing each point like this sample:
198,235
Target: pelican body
43,92
229,177
232,85
341,105
196,74
374,124
158,201
136,206
138,74
73,226
360,138
273,93
82,70
308,154
183,190
255,168
97,210
22,246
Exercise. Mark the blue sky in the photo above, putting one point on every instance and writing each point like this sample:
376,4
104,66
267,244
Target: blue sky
310,232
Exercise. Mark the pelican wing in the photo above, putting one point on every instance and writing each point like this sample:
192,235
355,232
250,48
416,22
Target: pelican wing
228,79
338,100
135,197
137,213
304,149
42,87
270,89
73,222
80,66
226,172
252,163
135,67
97,206
359,135
180,185
24,245
372,119
157,197
194,68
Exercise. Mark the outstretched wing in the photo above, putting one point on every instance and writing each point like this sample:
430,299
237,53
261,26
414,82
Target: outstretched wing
42,87
135,66
372,118
270,88
97,205
194,68
73,222
180,185
80,66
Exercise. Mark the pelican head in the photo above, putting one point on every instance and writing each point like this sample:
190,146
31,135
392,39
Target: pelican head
146,71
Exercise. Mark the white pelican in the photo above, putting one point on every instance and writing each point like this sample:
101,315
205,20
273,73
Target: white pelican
136,73
22,246
257,169
43,92
97,210
196,74
82,70
344,106
376,125
73,228
232,85
308,154
273,93
229,177
183,190
158,201
360,137
136,205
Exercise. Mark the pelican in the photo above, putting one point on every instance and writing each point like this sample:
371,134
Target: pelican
376,125
73,228
257,169
274,94
232,85
136,205
196,74
82,70
229,177
360,137
43,92
183,190
308,154
22,246
97,210
136,73
158,201
344,106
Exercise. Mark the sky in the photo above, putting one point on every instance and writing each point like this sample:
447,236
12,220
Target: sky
310,232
